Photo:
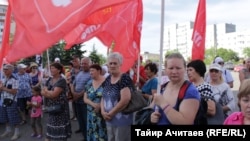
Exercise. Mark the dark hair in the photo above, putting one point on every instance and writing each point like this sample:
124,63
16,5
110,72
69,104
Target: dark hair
199,67
96,66
37,88
59,66
153,67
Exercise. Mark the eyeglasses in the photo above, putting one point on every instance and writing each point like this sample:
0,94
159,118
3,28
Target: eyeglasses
221,63
113,63
213,70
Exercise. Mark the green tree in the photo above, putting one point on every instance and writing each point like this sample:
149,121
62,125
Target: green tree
246,51
96,57
226,54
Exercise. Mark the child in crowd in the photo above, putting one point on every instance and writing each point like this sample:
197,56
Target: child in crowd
36,112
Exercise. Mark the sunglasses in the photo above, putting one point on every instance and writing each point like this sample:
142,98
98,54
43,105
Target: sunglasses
221,63
213,70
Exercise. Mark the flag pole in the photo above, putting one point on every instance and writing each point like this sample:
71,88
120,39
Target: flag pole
161,49
161,46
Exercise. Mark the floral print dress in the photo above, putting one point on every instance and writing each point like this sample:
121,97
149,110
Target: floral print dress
96,126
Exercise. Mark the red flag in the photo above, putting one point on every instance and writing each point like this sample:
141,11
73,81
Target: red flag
199,32
45,22
6,35
124,28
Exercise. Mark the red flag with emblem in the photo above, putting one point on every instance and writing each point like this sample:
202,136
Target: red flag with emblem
45,22
199,32
124,28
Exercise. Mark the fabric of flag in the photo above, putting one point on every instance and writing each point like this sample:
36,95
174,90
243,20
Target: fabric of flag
123,27
6,35
199,32
44,22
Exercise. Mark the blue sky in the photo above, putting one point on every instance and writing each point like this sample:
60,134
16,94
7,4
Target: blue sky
176,11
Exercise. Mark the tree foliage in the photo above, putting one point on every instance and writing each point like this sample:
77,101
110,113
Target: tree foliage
246,51
226,54
58,50
96,57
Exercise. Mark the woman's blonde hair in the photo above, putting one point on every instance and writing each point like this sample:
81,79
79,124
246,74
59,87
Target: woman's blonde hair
244,89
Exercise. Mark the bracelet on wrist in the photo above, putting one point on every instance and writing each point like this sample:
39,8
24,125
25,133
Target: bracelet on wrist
165,107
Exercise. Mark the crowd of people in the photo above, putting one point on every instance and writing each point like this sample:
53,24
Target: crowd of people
100,92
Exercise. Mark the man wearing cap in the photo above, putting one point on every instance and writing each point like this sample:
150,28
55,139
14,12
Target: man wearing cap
24,91
226,74
9,111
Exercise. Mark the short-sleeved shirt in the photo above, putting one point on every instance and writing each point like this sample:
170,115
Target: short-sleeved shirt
10,83
224,95
80,81
24,89
205,91
149,86
111,96
191,92
36,111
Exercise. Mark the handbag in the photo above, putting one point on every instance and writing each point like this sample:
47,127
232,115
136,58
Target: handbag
142,117
55,109
8,102
137,102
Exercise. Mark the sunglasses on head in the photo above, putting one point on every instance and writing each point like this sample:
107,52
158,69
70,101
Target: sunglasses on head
214,70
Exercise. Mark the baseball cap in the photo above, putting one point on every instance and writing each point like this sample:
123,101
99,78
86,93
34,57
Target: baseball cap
21,66
8,66
217,60
215,66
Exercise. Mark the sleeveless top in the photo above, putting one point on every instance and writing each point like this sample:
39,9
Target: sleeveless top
34,80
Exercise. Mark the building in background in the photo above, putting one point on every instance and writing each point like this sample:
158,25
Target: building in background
223,35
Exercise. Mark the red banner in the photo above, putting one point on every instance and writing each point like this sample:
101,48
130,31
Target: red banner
199,32
6,35
44,22
123,27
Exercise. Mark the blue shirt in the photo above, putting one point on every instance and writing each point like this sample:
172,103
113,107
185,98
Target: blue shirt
191,92
111,96
149,86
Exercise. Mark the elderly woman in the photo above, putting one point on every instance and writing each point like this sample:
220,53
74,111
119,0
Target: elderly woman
96,126
116,96
58,125
196,70
169,110
222,92
242,117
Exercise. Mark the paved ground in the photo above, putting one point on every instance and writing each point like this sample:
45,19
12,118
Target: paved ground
26,131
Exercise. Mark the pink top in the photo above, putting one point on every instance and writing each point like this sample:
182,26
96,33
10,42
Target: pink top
235,118
36,111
